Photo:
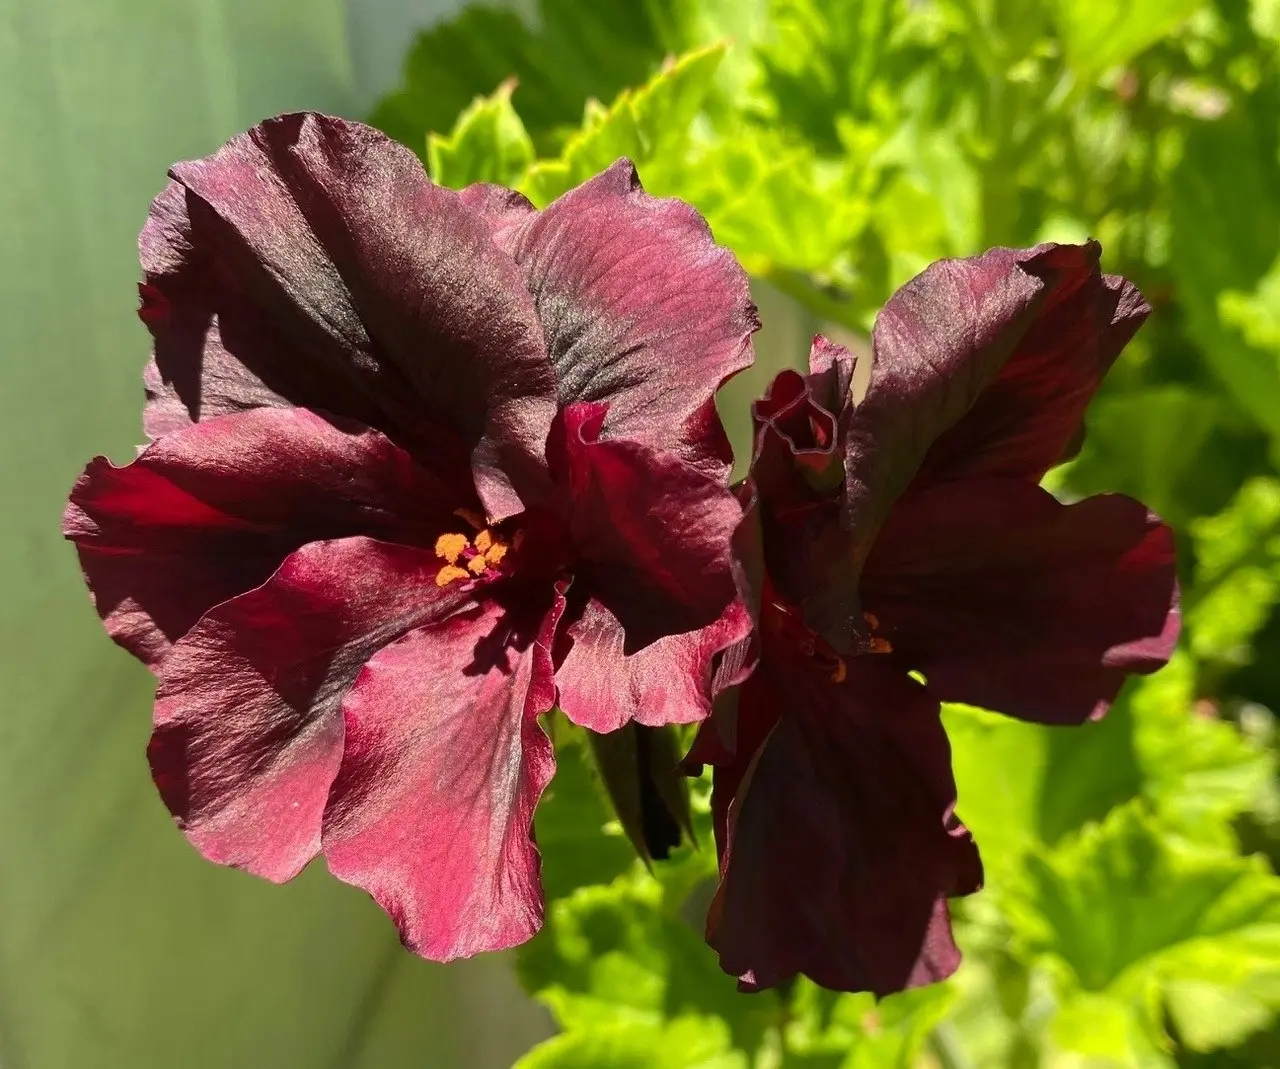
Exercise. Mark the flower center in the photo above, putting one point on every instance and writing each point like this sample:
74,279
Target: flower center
787,624
470,558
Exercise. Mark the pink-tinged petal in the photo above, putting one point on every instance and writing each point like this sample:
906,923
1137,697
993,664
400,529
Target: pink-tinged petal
641,309
672,680
248,733
1008,599
840,846
1031,414
211,510
938,343
444,764
652,535
504,210
312,259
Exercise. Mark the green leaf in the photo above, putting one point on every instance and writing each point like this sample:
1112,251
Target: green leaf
1198,772
1098,37
859,1032
578,835
645,124
685,1043
488,144
1225,217
569,53
1237,580
617,954
1137,923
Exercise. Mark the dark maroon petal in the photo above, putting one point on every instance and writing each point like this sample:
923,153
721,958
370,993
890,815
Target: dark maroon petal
641,309
1008,599
312,259
248,715
603,685
210,511
503,209
652,535
938,344
1025,421
797,470
842,845
443,767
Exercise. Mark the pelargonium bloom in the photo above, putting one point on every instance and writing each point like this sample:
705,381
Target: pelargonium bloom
424,463
903,529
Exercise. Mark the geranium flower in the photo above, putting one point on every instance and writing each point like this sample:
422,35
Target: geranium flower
423,461
902,528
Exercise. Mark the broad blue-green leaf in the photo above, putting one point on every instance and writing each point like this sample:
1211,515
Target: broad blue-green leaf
120,946
1137,923
686,1043
488,143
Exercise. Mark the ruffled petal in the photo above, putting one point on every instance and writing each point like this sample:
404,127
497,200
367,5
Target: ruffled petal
652,535
1008,599
938,343
210,511
840,847
670,681
312,260
1028,417
444,764
248,723
641,309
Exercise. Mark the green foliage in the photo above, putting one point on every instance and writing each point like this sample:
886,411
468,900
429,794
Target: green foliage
839,146
488,144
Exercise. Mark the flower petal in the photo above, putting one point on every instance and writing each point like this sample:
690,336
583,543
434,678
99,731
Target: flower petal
669,681
444,764
248,717
1008,599
841,843
652,535
1026,419
210,511
312,259
938,344
641,309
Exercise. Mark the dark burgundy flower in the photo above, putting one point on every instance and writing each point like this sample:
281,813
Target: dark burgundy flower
901,528
423,462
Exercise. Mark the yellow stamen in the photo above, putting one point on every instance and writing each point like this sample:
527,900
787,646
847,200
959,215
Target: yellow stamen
483,541
449,547
476,565
842,670
495,553
450,573
472,518
881,645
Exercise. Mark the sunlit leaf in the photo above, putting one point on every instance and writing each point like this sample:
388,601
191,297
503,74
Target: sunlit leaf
488,143
686,1043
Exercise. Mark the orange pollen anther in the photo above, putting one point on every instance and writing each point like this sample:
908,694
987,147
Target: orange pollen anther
450,573
449,547
476,565
841,671
872,620
495,553
482,541
881,645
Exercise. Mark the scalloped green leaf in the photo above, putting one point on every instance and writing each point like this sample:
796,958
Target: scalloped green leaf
685,1043
488,143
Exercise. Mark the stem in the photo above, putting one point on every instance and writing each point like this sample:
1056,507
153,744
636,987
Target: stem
807,295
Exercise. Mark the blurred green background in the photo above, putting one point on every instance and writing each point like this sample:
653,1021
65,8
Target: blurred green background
1132,916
